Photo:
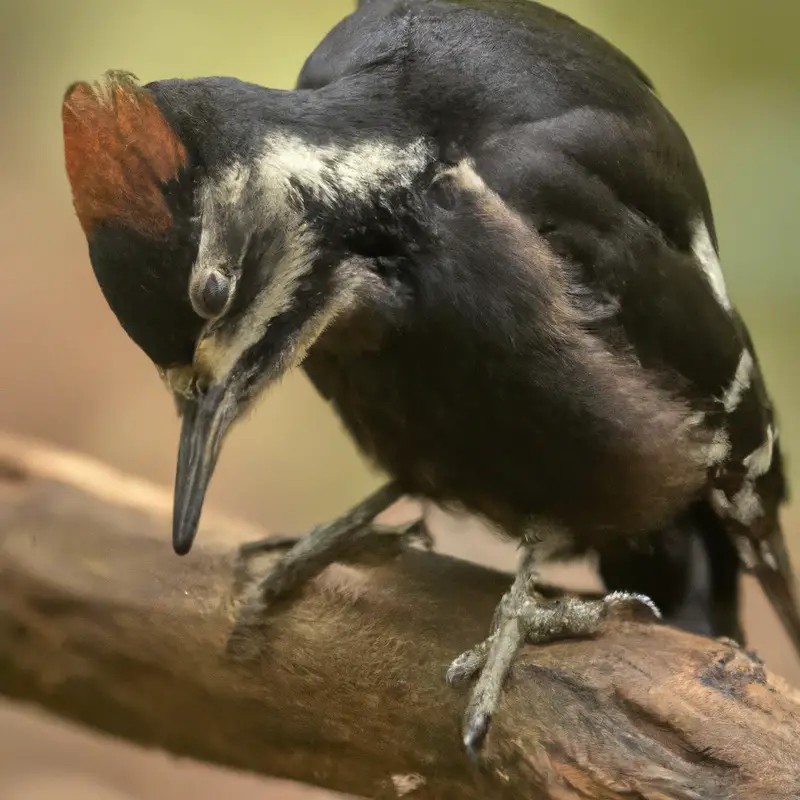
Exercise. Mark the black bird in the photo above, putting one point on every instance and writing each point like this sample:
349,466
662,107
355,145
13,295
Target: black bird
491,248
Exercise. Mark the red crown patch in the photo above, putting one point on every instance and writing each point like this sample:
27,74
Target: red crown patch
119,150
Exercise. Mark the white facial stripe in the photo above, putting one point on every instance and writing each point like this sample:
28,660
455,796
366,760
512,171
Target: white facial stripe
217,354
348,281
330,172
232,185
703,249
265,198
740,383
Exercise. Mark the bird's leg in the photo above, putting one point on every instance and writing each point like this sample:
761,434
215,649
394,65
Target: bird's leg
367,536
308,555
267,545
525,616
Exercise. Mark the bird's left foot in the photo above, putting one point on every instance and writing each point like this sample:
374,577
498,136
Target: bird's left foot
353,536
373,538
523,616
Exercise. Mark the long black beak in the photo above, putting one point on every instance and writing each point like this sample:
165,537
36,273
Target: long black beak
206,420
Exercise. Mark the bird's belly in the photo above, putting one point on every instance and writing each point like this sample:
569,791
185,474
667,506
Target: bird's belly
494,450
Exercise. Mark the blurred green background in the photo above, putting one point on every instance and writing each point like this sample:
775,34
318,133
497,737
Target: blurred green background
728,69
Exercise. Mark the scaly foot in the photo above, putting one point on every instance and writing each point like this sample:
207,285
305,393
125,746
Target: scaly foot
523,616
338,540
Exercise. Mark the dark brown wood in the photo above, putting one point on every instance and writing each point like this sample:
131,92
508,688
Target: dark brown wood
344,686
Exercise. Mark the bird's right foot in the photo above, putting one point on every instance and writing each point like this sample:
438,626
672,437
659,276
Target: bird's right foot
524,616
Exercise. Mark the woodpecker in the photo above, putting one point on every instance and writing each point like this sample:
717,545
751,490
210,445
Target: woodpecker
489,245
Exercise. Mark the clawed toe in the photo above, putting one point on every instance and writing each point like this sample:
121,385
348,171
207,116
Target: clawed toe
468,664
309,555
476,727
636,606
522,617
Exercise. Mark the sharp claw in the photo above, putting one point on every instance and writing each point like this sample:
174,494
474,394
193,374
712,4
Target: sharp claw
638,606
467,665
456,675
522,616
475,730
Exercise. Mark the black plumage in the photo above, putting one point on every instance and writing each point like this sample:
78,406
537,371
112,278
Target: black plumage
492,249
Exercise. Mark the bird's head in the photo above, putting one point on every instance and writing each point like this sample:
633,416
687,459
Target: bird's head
219,221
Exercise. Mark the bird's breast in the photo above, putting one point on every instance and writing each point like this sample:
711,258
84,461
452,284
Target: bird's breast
494,435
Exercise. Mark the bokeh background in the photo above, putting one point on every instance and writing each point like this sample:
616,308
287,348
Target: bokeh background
729,69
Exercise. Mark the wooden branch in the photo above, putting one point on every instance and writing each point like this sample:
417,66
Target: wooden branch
344,687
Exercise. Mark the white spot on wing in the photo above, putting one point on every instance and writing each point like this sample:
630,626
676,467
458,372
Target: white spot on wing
719,449
744,507
740,383
720,503
760,460
767,555
747,504
747,553
706,255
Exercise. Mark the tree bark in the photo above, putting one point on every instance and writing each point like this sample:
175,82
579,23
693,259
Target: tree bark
343,686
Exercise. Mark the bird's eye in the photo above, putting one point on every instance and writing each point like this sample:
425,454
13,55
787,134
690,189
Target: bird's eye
210,295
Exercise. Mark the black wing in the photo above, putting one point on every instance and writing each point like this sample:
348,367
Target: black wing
619,195
570,133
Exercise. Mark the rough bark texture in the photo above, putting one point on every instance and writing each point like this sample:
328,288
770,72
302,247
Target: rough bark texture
343,687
